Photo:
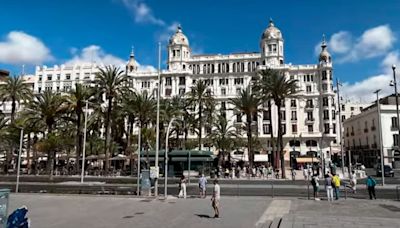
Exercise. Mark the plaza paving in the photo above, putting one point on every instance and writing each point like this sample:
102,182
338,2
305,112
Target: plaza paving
64,211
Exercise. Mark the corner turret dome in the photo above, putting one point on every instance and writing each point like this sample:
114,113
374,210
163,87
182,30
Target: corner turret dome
271,32
179,38
324,56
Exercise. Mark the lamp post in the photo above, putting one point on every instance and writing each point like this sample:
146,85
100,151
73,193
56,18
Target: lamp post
166,158
340,124
394,83
19,159
380,136
84,141
158,121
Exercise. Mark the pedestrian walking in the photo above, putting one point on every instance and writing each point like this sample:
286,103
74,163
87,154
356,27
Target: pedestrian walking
202,186
371,183
182,187
305,173
293,173
353,182
215,199
336,185
315,184
328,187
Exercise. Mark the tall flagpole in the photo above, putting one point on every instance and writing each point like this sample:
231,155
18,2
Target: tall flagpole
158,120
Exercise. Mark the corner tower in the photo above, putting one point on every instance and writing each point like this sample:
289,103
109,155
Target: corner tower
179,51
272,46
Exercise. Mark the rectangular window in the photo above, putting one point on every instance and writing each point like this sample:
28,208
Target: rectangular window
182,80
294,128
326,128
223,81
309,104
39,89
325,101
58,76
168,92
343,108
68,76
351,108
266,115
40,78
395,140
308,89
49,77
239,81
333,115
294,115
310,116
324,77
182,91
266,129
394,122
343,117
223,105
168,81
238,118
310,128
324,87
223,91
334,128
86,76
292,103
326,114
283,128
238,91
283,115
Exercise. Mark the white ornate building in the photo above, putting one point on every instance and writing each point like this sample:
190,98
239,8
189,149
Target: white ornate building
309,118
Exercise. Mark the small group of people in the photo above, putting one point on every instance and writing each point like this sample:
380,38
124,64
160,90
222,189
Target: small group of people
333,183
216,196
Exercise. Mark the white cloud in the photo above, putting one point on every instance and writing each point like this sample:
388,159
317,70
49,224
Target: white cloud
96,54
390,59
340,42
364,89
21,48
374,42
142,12
167,32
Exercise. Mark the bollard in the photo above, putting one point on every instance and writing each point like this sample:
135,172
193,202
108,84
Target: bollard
308,190
397,193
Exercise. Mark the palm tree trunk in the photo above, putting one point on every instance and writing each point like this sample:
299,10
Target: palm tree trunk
200,124
78,141
28,153
249,141
50,157
108,137
280,141
274,157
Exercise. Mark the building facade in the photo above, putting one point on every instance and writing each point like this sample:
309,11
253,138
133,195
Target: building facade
362,139
309,119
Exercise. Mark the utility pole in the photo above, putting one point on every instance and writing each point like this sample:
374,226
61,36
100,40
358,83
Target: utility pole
380,136
340,124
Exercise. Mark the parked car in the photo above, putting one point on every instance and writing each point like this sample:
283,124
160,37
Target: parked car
388,171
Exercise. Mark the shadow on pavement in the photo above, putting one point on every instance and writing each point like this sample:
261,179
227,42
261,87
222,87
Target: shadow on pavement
203,216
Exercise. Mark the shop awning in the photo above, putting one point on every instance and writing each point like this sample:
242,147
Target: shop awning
307,160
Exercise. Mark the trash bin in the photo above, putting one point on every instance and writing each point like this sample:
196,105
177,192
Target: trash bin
4,194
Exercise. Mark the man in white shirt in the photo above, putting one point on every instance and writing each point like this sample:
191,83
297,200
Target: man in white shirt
216,198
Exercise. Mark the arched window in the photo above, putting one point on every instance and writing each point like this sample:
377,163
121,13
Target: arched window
212,68
249,67
219,67
234,67
293,143
227,67
242,67
204,68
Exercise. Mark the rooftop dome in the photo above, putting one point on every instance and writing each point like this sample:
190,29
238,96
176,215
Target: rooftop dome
271,32
179,38
324,55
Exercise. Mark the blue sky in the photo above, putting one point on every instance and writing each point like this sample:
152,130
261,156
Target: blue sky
363,35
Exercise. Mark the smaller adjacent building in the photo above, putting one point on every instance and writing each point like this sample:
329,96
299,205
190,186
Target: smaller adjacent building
361,134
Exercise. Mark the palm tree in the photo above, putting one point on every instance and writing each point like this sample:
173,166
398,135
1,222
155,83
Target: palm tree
276,87
44,112
247,103
200,97
76,102
222,136
112,83
145,112
15,90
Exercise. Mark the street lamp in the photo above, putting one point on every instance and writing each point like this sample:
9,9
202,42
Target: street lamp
394,83
380,136
158,120
19,159
166,158
84,141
